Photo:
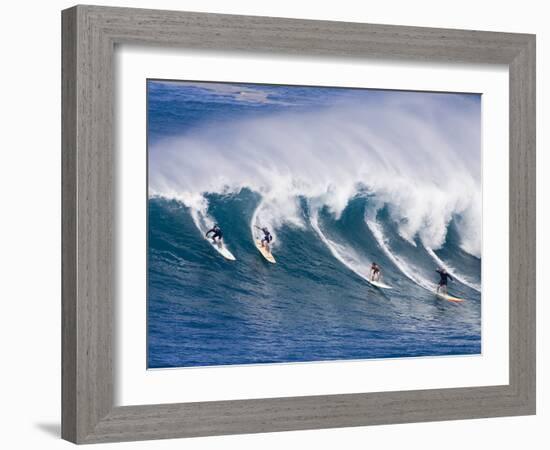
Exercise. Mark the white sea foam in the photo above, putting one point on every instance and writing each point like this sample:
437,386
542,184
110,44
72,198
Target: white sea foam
425,166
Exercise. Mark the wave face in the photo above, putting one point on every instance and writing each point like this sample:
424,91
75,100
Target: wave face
310,306
389,179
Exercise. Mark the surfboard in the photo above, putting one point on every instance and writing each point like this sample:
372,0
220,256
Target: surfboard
222,250
267,255
448,298
379,284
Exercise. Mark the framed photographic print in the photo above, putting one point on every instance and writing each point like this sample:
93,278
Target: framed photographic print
268,222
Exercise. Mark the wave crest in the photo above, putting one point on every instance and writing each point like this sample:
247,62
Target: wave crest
424,168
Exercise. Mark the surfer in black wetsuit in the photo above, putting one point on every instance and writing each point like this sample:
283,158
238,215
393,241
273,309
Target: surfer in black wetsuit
444,277
217,233
266,240
374,272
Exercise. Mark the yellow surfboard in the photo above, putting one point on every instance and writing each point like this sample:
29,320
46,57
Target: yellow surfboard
449,298
267,255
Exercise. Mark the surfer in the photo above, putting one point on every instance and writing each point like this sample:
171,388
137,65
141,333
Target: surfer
217,233
374,272
444,277
266,240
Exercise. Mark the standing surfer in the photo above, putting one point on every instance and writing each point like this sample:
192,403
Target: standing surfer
217,234
266,239
444,277
374,272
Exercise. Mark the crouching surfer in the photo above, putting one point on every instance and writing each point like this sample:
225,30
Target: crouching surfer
266,240
217,235
444,278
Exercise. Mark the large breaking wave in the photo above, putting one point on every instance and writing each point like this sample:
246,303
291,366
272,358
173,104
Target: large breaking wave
418,172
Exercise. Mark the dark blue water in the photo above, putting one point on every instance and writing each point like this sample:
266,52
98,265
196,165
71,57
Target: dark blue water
205,310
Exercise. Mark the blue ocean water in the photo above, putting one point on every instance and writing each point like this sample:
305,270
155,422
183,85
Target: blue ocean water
315,303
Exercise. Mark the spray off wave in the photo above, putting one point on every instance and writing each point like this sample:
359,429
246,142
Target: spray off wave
423,168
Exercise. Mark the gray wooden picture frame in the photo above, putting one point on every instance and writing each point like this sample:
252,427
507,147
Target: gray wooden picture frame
90,34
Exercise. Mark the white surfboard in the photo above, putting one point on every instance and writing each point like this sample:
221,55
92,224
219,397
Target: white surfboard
266,254
449,298
222,250
379,284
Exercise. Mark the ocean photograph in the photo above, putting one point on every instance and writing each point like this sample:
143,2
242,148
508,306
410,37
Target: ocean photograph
292,224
